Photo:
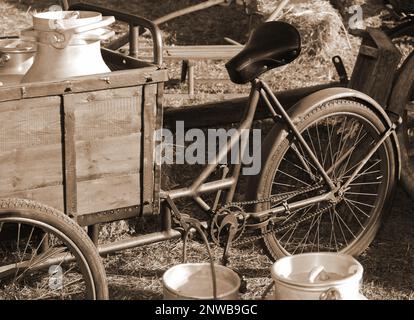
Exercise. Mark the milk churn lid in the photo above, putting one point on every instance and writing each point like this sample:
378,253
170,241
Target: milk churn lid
64,20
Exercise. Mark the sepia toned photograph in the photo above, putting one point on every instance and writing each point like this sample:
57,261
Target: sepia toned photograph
207,150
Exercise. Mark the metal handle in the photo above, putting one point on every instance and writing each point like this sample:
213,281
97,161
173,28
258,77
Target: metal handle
213,269
331,294
134,22
105,22
95,37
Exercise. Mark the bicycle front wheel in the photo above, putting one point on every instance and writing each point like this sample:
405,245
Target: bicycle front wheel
44,255
340,133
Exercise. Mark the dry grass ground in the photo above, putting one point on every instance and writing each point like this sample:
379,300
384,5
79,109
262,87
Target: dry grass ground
136,274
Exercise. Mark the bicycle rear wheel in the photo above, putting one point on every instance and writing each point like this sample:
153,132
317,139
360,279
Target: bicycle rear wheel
340,133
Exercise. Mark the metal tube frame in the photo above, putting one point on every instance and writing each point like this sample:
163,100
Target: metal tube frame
229,184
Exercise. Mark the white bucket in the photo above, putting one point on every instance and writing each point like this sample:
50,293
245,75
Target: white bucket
318,276
193,281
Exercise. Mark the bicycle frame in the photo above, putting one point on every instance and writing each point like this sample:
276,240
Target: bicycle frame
200,187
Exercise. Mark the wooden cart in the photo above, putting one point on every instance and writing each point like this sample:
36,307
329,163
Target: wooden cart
85,146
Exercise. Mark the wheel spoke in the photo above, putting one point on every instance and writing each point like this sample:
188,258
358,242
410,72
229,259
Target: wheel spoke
355,216
283,184
356,207
339,224
294,178
363,194
345,224
362,204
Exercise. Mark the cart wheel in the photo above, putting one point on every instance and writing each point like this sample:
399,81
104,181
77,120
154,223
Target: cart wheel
46,255
402,103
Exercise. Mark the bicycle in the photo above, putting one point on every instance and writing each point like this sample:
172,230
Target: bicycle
328,169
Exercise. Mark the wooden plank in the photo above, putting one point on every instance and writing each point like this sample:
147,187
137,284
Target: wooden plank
214,52
108,193
30,123
108,157
108,113
71,203
52,102
156,203
148,121
376,66
108,216
31,168
369,51
118,79
52,196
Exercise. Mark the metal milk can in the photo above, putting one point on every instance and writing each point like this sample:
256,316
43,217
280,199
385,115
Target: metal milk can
16,57
68,45
318,276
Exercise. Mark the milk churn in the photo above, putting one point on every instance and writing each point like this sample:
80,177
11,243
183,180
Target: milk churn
16,57
318,276
68,44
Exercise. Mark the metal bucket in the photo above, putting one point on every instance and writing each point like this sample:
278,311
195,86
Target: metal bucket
200,281
193,281
318,276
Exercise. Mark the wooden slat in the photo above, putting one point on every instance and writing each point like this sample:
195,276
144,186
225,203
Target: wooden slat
52,102
214,52
52,196
71,203
30,123
108,157
369,51
30,168
125,78
156,203
108,113
148,122
108,193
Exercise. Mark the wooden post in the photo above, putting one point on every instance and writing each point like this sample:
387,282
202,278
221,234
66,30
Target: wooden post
184,70
71,202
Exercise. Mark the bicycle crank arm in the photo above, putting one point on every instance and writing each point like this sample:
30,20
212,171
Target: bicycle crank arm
370,154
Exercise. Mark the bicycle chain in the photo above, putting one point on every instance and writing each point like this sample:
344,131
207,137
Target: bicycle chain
279,198
264,234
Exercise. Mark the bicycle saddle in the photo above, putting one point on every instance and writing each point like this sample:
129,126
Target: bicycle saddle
273,44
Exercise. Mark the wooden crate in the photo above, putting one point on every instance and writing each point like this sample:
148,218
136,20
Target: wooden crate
84,146
376,66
